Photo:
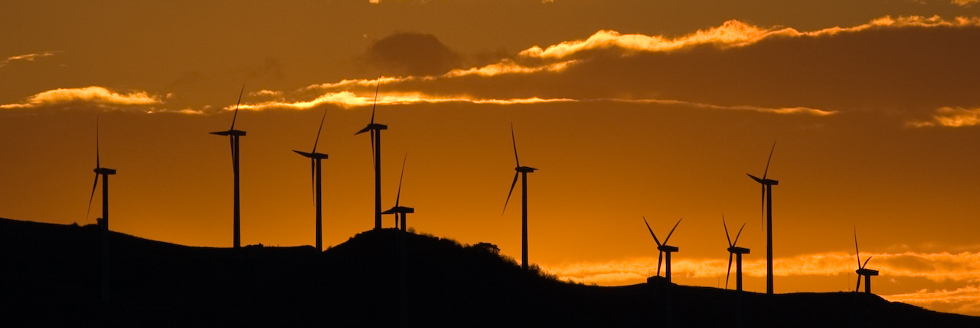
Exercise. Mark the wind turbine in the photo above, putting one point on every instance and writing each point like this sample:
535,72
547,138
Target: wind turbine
862,268
375,129
233,135
522,171
737,251
398,210
663,247
105,173
315,159
767,202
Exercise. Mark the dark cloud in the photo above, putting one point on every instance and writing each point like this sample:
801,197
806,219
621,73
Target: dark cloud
411,54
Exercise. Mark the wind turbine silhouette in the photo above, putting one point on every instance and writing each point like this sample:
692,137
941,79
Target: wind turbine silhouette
522,171
105,173
767,200
375,129
737,251
862,268
663,247
400,211
315,171
233,135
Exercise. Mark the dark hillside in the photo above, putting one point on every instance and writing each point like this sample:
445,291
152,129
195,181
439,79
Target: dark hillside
50,275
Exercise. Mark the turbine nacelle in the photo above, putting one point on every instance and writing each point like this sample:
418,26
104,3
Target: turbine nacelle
866,272
106,171
372,126
738,250
525,169
231,132
400,210
668,248
312,155
768,182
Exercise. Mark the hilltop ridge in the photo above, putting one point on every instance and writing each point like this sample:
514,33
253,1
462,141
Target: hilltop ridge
52,277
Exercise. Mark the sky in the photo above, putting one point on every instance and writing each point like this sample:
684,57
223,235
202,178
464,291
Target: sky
628,108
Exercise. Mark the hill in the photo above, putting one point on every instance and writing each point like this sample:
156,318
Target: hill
52,276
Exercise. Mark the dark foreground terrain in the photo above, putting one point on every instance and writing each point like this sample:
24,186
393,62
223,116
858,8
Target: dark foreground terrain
51,275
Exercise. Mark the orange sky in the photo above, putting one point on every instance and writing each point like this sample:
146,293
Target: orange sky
629,108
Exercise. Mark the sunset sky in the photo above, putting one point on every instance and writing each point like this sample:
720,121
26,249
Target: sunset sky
628,108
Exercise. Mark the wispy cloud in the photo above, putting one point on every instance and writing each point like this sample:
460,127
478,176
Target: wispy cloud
94,95
27,57
953,117
348,99
732,33
964,3
782,110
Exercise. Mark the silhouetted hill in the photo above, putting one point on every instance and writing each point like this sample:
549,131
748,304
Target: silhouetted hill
51,276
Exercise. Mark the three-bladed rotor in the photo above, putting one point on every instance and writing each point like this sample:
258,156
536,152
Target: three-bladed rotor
862,270
519,169
732,247
663,247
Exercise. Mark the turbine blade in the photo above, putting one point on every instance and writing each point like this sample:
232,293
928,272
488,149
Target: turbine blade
231,141
97,163
514,139
374,161
766,172
729,272
726,236
858,286
857,253
762,210
509,193
651,232
319,130
399,195
375,98
866,262
313,179
739,234
660,259
234,117
672,230
92,197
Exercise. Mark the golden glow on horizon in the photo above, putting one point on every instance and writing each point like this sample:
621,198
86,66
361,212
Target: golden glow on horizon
937,267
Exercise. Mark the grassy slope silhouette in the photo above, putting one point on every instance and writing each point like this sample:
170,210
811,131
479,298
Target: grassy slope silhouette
51,276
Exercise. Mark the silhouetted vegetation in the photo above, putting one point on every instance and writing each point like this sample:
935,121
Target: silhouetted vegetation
51,276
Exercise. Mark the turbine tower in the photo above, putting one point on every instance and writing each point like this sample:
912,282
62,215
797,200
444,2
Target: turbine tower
862,268
400,211
234,135
375,129
767,203
737,252
315,173
663,247
105,173
522,171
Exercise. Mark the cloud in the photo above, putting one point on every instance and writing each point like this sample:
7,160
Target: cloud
732,33
964,3
411,53
27,57
953,117
93,95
